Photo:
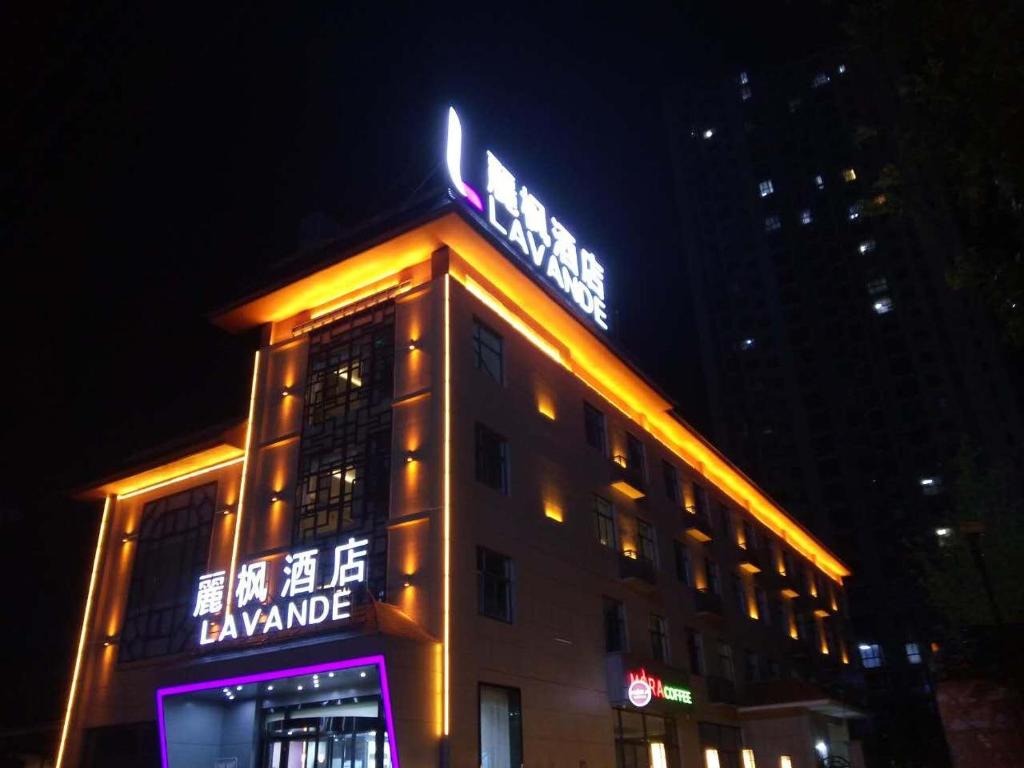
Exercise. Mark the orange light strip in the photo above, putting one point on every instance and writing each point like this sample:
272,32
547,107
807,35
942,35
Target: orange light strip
447,505
245,470
84,634
180,478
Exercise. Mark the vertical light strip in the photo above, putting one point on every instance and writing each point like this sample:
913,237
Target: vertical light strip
447,504
84,635
245,471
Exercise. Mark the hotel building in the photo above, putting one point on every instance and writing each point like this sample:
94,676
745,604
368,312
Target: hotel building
457,528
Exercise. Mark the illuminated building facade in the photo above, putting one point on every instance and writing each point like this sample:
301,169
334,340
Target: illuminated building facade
456,529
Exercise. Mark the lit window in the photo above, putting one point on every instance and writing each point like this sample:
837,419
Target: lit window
745,93
743,78
849,174
711,758
880,285
487,350
805,216
870,655
772,223
766,187
819,80
708,133
853,212
785,761
882,306
746,344
931,486
494,584
913,653
944,535
819,182
501,726
841,69
748,758
867,246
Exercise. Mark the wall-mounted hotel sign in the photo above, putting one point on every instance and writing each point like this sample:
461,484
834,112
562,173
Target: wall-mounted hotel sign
294,596
642,688
519,218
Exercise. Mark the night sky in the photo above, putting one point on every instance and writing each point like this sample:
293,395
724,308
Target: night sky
157,160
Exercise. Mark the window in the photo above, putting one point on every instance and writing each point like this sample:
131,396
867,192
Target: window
744,78
819,182
745,92
684,564
501,727
635,455
714,580
641,739
877,286
594,428
870,655
487,351
751,666
725,665
645,541
604,522
659,638
695,648
913,653
772,223
931,486
614,626
820,79
866,246
882,306
805,216
170,554
763,610
854,211
766,187
491,459
740,593
671,477
746,344
849,174
494,584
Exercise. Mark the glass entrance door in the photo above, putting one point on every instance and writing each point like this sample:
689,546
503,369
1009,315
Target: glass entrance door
304,740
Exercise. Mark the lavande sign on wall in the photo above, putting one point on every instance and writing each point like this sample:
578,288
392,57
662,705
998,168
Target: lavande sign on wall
516,214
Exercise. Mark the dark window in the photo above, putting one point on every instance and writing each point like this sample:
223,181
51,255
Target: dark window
751,666
491,459
645,538
594,427
171,552
635,456
488,351
700,501
671,475
714,582
501,727
659,638
684,565
604,522
494,584
695,647
763,610
740,593
614,626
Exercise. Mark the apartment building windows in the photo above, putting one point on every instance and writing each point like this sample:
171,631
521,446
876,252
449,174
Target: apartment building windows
740,594
870,655
488,351
714,578
766,188
594,428
647,549
684,563
491,459
671,477
604,522
659,638
494,584
763,609
725,661
913,653
635,456
614,626
501,727
695,648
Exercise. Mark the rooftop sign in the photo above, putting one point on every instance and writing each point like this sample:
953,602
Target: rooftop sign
517,216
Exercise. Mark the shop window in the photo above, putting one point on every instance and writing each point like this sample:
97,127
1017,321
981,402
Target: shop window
671,477
501,727
488,351
870,655
614,625
644,740
604,522
171,550
494,584
491,459
594,428
659,638
722,740
695,648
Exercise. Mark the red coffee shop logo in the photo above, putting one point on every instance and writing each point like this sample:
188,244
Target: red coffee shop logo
642,688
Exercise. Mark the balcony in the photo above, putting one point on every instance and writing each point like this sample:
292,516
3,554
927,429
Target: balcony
753,561
627,480
707,602
698,526
636,569
721,690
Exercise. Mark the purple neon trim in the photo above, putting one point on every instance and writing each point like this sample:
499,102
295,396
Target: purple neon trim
473,197
260,677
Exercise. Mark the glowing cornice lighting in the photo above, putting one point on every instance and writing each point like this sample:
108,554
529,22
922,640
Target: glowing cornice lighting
453,157
249,432
503,312
84,634
180,478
